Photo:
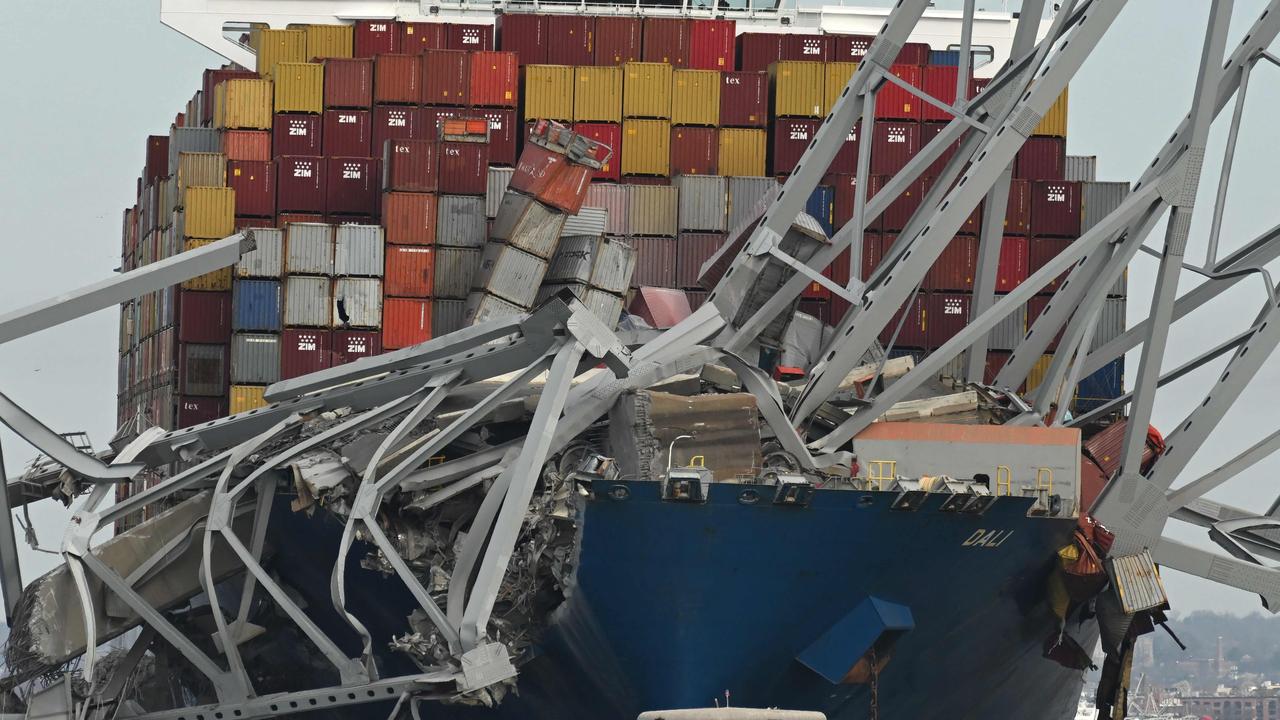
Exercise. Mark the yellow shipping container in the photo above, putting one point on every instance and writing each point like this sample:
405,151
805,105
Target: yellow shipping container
247,397
646,147
695,97
548,92
200,169
796,88
742,152
217,280
210,212
299,87
1036,375
1054,122
598,97
835,78
277,46
242,105
328,41
646,90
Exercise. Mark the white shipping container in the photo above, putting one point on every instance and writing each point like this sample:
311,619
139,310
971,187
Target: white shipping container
447,316
357,303
510,273
703,202
605,306
1081,168
460,221
357,250
588,221
1111,322
745,197
652,210
309,249
267,259
615,200
482,307
1009,332
499,179
454,270
528,224
615,264
308,301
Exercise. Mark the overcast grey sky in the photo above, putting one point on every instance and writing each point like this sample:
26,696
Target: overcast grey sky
87,81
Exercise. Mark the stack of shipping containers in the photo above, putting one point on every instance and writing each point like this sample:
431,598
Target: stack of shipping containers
373,222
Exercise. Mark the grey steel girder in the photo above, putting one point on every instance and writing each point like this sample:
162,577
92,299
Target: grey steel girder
59,450
10,570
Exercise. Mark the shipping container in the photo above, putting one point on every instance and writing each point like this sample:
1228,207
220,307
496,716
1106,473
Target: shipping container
801,47
591,221
357,250
1014,263
656,261
548,92
835,78
647,147
1040,251
396,122
406,322
375,37
1009,332
195,410
309,249
912,333
695,151
744,99
712,45
510,273
955,268
350,345
1017,217
597,95
410,271
1035,306
243,105
357,302
742,152
747,196
308,301
255,358
504,134
204,317
609,135
1041,158
460,221
646,90
300,184
692,251
445,77
791,137
893,144
528,225
277,46
348,83
850,48
939,82
254,185
447,316
157,155
284,220
666,40
452,270
346,133
182,140
1097,200
303,351
972,224
902,208
209,212
468,37
201,169
299,87
202,369
494,80
796,89
496,187
247,397
525,34
409,218
757,51
703,200
1110,323
616,200
695,97
895,103
351,185
267,259
1104,385
247,145
574,40
329,41
618,40
256,305
1055,209
409,166
844,187
483,307
1080,168
216,281
1054,122
653,210
464,168
212,78
818,207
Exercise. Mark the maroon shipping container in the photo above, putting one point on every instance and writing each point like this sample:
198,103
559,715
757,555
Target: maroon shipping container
494,80
445,78
695,151
410,166
816,308
303,351
574,40
815,48
300,184
256,222
895,103
431,117
468,37
247,144
655,262
938,81
929,131
1014,263
844,187
696,298
618,40
971,225
524,34
912,334
837,271
349,345
347,132
1055,209
396,122
744,99
872,254
204,317
397,79
977,85
375,37
1039,252
1041,158
352,186
850,48
348,83
418,36
757,51
296,134
946,314
410,271
893,144
211,80
913,54
791,137
194,410
956,267
295,217
712,44
1035,306
692,250
609,134
157,166
255,185
899,212
504,133
666,40
1017,214
846,159
464,168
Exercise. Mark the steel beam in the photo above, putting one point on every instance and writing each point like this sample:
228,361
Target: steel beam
10,569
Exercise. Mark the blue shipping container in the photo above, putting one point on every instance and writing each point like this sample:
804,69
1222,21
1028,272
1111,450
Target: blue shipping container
948,58
820,205
255,305
1105,384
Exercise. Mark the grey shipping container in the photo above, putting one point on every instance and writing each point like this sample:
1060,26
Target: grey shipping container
191,139
357,250
616,200
652,210
357,303
267,259
528,224
447,316
1097,200
460,221
603,305
203,169
308,301
483,306
703,202
1009,332
203,369
745,194
255,358
603,263
309,249
454,270
499,179
588,221
1111,322
1080,168
510,273
574,259
169,200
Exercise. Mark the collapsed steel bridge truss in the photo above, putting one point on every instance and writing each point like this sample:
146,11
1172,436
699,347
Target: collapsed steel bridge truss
493,362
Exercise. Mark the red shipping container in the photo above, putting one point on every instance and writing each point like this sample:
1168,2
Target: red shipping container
194,410
464,168
410,271
872,254
1055,209
396,122
929,131
445,77
285,218
255,184
899,212
352,185
895,103
1014,263
956,267
893,144
418,36
972,224
913,54
348,83
846,159
397,79
524,34
1035,306
1039,252
405,322
618,40
375,37
757,51
409,218
468,37
303,351
815,48
744,99
692,250
844,187
1017,214
300,184
350,345
248,145
295,134
939,81
157,166
409,166
712,45
504,131
912,334
494,80
347,132
212,78
666,40
791,137
1041,158
204,317
850,48
996,360
574,40
695,151
609,134
946,314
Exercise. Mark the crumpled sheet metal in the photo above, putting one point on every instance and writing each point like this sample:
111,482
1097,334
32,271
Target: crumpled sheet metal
725,430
